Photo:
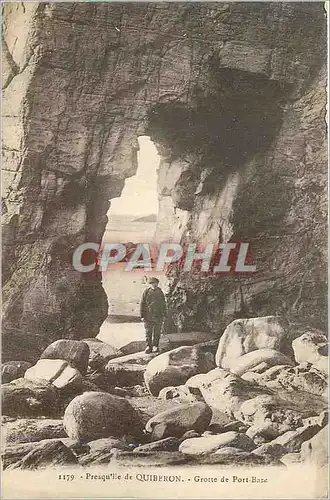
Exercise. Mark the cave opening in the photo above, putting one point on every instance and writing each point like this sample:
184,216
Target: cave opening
132,220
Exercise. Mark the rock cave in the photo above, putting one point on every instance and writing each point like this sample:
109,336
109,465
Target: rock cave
233,96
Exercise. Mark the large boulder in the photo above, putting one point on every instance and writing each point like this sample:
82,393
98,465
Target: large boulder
13,370
14,452
316,452
312,347
245,335
291,441
258,360
167,444
100,353
124,374
175,367
25,398
94,415
52,454
75,352
208,387
210,444
59,373
225,391
308,404
26,430
316,449
270,415
180,419
304,377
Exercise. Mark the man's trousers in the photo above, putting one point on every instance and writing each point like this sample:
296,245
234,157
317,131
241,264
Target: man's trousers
153,331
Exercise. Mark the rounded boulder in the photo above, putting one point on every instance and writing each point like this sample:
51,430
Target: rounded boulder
246,335
261,357
210,444
13,370
312,347
178,420
174,368
95,415
75,352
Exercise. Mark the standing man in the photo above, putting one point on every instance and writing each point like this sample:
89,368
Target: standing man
153,313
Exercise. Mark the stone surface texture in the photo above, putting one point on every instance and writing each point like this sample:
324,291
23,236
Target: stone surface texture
180,419
47,455
95,415
26,398
74,352
177,366
27,430
210,444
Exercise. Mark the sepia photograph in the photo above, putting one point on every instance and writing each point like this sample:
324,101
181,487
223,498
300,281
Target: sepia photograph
164,250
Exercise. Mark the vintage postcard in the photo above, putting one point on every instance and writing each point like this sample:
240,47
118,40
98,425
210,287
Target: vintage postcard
164,248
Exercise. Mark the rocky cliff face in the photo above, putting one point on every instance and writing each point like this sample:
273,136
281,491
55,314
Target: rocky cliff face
232,94
274,198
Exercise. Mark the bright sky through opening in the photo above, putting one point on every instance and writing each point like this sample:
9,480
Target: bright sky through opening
139,196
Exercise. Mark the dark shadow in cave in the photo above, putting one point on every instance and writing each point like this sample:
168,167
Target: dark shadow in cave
237,116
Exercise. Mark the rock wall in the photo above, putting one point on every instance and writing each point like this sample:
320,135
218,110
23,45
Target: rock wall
276,201
232,94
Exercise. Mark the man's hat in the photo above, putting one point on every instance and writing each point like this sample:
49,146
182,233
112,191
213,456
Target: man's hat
153,280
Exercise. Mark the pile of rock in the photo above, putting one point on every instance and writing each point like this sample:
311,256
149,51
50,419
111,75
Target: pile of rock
256,397
268,378
42,389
